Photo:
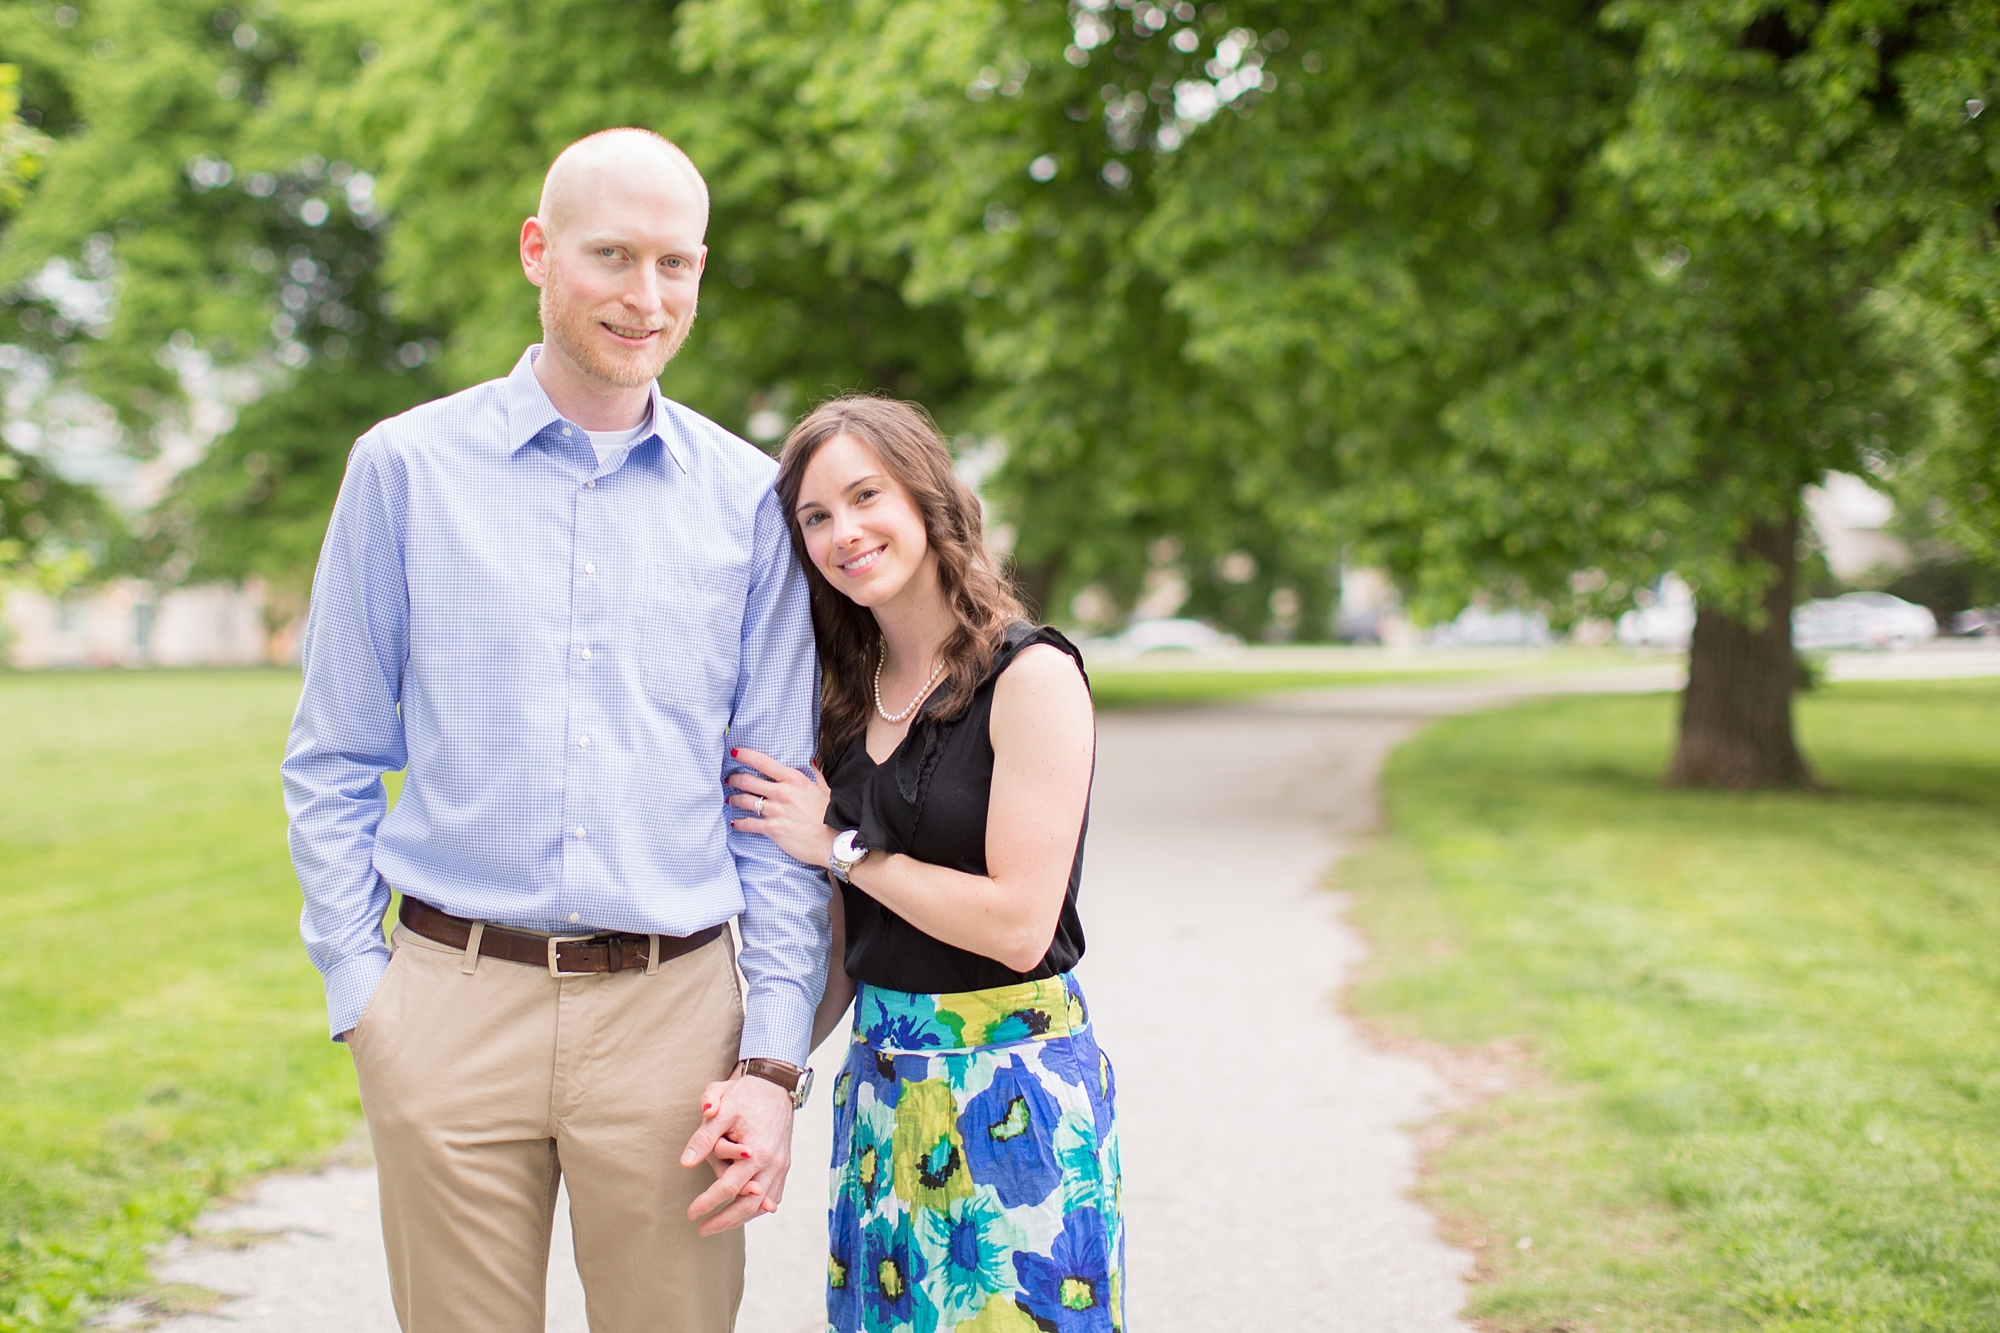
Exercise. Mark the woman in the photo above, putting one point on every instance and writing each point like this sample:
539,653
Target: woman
975,1171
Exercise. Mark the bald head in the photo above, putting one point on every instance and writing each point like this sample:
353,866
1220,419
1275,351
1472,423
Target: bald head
617,249
611,161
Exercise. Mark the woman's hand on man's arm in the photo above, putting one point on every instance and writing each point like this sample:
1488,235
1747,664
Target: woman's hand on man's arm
785,805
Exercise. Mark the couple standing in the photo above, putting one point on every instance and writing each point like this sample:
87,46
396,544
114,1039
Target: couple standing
583,621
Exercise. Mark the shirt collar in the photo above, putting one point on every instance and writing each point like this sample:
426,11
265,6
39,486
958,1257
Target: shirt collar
529,411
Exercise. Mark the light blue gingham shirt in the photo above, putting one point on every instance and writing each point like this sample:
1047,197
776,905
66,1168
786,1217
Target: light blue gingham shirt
559,654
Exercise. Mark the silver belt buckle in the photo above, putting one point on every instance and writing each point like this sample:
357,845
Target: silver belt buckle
555,968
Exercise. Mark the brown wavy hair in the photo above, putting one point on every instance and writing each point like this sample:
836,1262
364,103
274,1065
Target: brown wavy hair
907,443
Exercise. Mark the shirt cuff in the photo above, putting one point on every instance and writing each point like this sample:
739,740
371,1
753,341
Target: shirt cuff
777,1025
350,985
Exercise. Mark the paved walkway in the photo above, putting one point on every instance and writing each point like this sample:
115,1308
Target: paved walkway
1268,1150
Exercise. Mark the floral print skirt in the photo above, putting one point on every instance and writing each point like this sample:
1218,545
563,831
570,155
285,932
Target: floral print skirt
975,1167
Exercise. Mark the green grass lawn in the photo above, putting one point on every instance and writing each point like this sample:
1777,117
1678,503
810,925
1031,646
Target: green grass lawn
1112,687
1170,679
1761,1082
161,1032
1764,1080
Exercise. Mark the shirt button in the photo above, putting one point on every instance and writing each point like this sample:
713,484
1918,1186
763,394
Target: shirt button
583,741
590,485
579,830
568,431
575,917
589,568
586,654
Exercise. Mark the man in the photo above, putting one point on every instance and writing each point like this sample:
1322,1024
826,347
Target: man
556,600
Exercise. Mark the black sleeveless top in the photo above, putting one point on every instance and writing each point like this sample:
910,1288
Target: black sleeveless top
928,800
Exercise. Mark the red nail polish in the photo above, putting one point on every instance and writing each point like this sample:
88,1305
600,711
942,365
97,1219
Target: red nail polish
732,754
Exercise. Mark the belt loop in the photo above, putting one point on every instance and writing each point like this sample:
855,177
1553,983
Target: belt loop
652,954
472,939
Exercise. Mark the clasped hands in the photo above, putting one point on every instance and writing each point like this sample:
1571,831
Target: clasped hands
746,1126
746,1137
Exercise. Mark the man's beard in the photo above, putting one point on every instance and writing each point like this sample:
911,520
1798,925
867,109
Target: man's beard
571,331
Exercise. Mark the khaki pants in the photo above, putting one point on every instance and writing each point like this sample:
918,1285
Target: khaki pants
484,1085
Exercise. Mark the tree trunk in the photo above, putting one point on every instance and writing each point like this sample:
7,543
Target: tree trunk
1736,714
1033,584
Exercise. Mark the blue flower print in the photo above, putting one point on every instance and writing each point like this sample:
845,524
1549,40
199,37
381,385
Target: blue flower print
897,1028
1021,1025
1079,1154
876,1071
957,1068
1007,1131
1065,1057
1079,1012
1107,1091
968,1247
843,1115
869,1171
1070,1290
843,1281
892,1275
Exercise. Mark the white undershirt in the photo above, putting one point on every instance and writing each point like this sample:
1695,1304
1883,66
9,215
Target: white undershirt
611,446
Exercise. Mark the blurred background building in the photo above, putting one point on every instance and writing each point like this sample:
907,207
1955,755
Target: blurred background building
130,623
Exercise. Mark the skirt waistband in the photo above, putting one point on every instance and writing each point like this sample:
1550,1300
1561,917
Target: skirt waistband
905,1021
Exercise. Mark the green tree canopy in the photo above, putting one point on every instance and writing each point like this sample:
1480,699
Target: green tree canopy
326,197
1543,301
1539,302
52,531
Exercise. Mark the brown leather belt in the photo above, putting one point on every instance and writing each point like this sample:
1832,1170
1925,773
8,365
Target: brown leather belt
564,956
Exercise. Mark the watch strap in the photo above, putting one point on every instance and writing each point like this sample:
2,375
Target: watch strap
795,1081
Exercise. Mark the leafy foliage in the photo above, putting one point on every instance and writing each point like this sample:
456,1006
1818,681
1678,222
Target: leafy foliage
22,148
327,203
1539,301
51,531
958,140
227,242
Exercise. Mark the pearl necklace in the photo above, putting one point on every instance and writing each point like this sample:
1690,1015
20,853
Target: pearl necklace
922,694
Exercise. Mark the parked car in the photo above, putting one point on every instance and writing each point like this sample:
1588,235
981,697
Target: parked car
1861,620
1174,635
1982,621
1363,627
1477,627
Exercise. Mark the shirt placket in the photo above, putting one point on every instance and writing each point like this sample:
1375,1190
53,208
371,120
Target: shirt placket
583,831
